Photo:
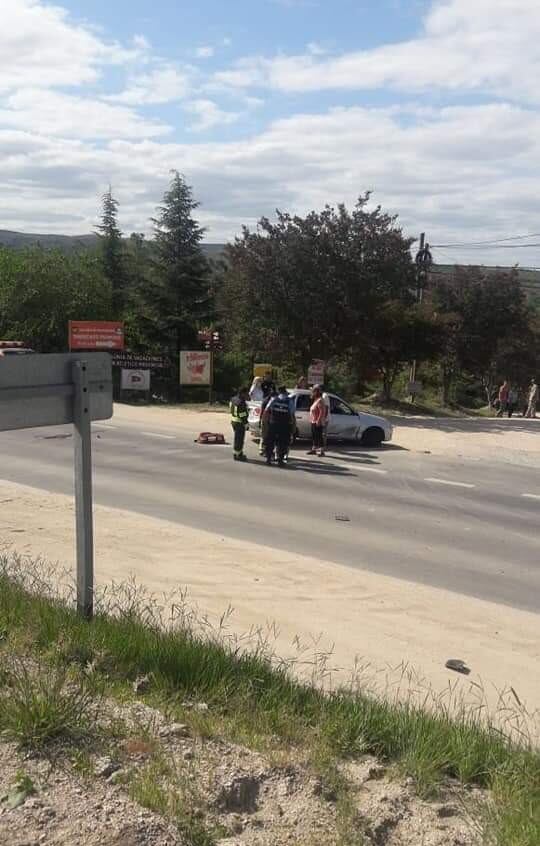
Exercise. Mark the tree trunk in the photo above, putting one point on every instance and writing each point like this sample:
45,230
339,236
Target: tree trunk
447,379
387,386
176,368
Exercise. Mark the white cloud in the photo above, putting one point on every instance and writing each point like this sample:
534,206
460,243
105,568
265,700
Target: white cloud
163,84
49,112
204,52
458,172
208,115
438,174
41,46
484,45
141,42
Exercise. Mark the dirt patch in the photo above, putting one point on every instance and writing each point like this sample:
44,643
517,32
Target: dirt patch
242,796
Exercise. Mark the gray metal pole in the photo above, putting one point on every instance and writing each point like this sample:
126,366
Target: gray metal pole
419,293
83,491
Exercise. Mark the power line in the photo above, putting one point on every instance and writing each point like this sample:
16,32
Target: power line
490,241
479,246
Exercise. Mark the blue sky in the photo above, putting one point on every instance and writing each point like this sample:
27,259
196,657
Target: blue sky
434,105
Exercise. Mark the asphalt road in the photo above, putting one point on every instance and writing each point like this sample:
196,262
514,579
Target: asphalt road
467,526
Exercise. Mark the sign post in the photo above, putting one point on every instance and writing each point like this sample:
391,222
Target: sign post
83,491
50,390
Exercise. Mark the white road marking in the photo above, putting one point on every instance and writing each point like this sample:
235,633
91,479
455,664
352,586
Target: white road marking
531,496
448,482
364,468
159,435
105,426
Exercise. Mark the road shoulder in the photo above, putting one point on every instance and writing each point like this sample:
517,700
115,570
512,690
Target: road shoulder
394,631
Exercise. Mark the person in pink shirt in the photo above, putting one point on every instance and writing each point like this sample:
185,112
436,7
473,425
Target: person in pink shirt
317,416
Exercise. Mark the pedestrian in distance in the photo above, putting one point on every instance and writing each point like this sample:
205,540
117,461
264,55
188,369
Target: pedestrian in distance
513,399
504,390
317,416
256,392
239,419
327,418
281,422
302,383
268,385
534,395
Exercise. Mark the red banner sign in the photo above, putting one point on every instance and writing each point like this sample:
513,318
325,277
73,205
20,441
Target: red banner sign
96,335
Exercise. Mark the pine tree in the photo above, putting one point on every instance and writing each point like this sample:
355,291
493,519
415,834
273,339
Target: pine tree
112,251
177,298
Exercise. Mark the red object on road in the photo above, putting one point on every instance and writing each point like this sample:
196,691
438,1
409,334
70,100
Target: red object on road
96,335
210,438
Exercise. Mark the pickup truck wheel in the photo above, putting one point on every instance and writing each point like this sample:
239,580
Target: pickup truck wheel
372,437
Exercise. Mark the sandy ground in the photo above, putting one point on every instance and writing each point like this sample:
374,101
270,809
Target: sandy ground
399,632
514,441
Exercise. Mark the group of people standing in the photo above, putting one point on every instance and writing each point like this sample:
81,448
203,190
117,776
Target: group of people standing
507,400
277,419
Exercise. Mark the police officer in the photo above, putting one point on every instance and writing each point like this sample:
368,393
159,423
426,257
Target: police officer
264,421
239,418
280,418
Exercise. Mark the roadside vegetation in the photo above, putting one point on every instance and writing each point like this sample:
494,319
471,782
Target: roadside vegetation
57,671
339,285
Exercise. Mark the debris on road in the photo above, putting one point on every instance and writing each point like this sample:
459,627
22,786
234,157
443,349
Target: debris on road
211,438
458,666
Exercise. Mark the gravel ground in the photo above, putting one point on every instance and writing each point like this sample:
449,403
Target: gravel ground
249,798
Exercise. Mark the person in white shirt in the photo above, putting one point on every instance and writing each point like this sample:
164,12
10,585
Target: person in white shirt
256,392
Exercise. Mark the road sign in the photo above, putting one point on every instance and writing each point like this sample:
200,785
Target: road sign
38,390
135,380
195,367
261,370
316,372
96,335
139,361
414,388
47,390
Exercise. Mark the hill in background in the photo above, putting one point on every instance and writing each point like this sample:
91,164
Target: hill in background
71,243
530,279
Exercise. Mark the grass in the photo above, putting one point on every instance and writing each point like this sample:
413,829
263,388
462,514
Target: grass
39,704
162,789
253,698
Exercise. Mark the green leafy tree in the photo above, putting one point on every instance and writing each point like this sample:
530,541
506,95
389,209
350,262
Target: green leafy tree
312,287
41,290
113,253
176,300
485,315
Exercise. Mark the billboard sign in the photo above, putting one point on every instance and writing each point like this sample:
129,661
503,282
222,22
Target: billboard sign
135,380
316,372
195,367
96,335
261,370
139,361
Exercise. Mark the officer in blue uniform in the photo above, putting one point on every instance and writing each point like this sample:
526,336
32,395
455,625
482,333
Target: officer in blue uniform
239,420
279,415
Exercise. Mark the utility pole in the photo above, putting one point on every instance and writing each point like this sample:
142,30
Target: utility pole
423,262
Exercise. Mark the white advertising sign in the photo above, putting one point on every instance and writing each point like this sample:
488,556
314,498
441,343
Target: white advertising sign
195,367
135,380
316,372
